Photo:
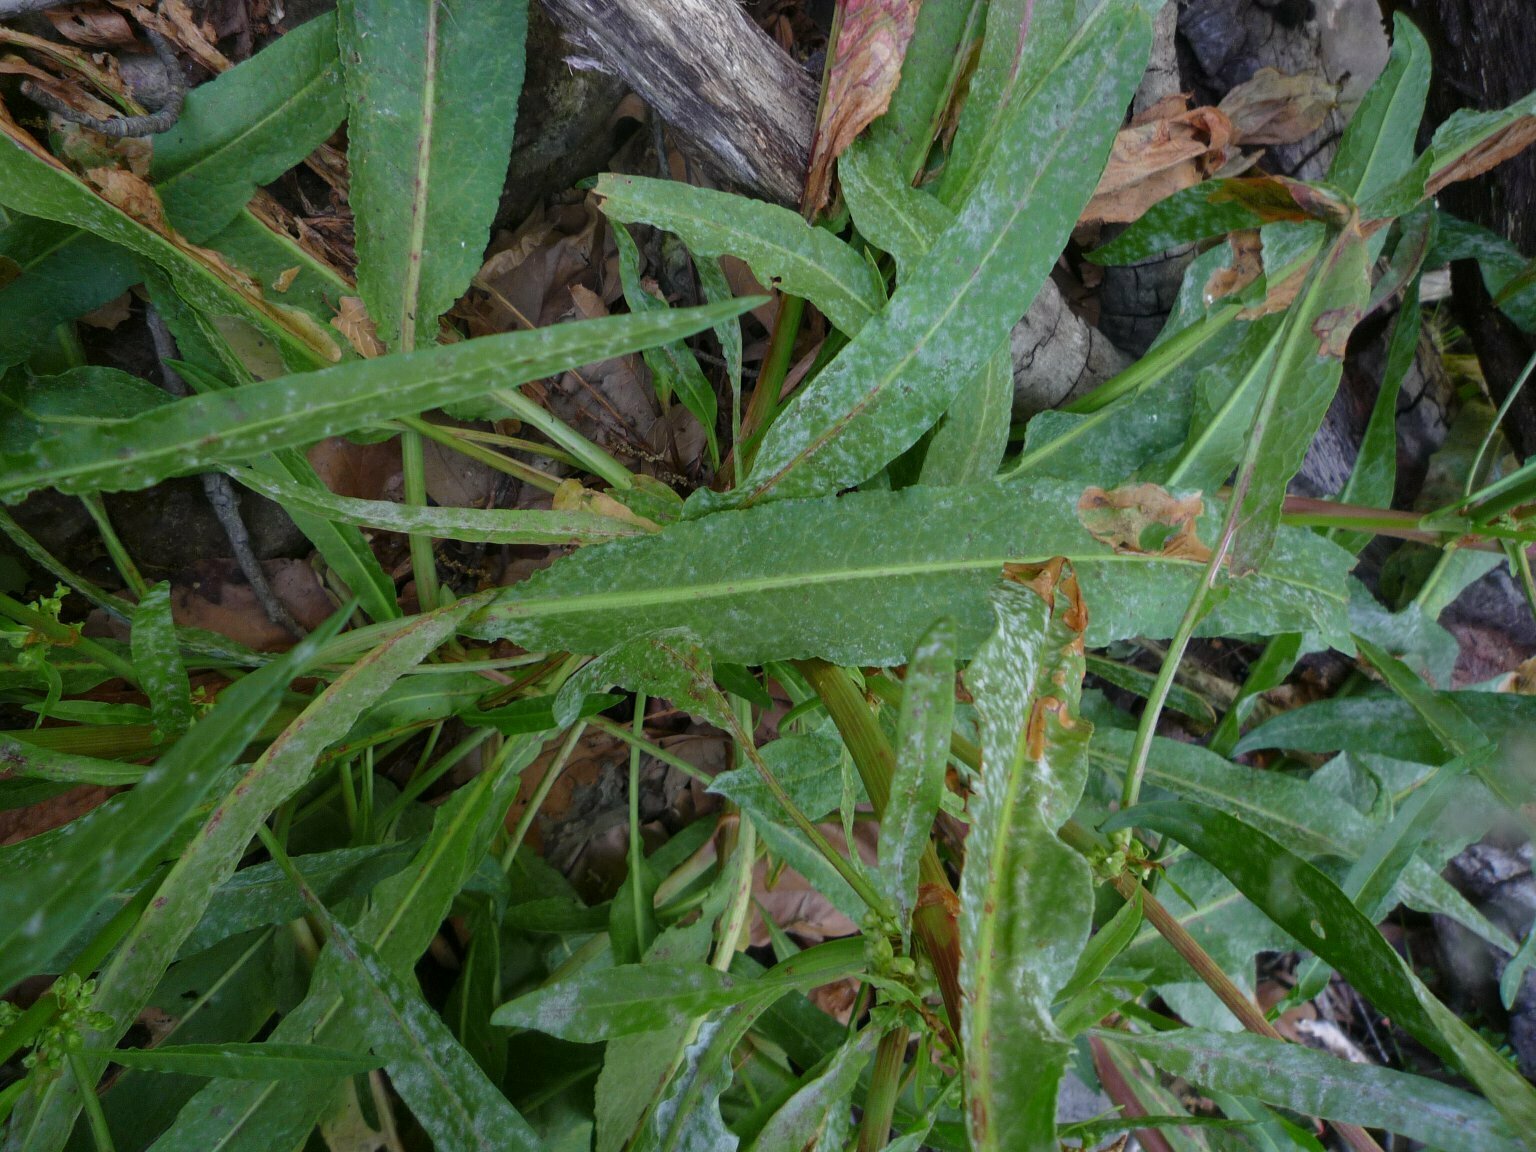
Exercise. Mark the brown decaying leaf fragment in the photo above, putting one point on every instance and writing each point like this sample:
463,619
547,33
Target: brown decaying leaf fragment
1167,149
866,66
1121,518
1273,108
353,322
1246,267
93,25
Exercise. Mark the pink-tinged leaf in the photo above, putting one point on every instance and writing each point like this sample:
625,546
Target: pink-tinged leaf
872,40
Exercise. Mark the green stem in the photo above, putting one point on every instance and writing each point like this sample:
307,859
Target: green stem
770,380
592,458
884,1088
126,568
423,561
935,919
65,636
450,438
636,846
656,751
101,1135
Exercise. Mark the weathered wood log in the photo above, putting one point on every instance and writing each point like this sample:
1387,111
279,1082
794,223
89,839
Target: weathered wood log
716,79
744,108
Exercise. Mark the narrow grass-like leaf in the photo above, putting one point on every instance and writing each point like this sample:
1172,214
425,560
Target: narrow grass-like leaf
1308,364
1022,42
1026,900
244,1061
34,183
61,273
475,525
1388,726
215,851
456,1105
598,1005
106,847
888,386
1106,944
922,752
1377,146
782,250
157,657
674,368
39,763
1315,1083
215,428
1313,910
857,579
404,914
248,126
432,100
819,1114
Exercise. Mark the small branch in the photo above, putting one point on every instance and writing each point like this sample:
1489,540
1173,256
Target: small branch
161,119
221,494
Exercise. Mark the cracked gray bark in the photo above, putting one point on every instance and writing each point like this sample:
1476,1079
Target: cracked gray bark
742,107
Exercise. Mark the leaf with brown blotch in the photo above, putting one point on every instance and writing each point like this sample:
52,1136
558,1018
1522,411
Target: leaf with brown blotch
866,67
1273,108
1246,267
1144,520
1503,144
1170,149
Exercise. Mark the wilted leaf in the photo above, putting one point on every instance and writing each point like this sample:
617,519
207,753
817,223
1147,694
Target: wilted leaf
1154,158
871,41
1273,108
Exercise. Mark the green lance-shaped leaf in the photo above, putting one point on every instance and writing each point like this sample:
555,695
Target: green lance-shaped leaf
217,428
1308,364
969,444
1023,41
1315,1083
215,850
819,1114
475,525
50,273
931,72
1026,900
780,247
157,657
674,368
36,763
405,912
248,126
244,1061
899,374
37,186
604,1003
670,664
456,1105
107,847
688,1118
1376,148
432,91
1312,909
922,751
857,579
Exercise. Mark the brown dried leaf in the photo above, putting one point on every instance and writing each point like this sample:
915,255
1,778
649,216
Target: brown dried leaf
453,479
1332,330
175,21
1273,108
285,279
1155,158
110,314
93,25
219,599
358,471
573,496
1144,520
136,197
527,280
353,322
866,68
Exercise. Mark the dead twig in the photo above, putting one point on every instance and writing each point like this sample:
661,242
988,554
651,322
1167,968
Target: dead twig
162,119
221,494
